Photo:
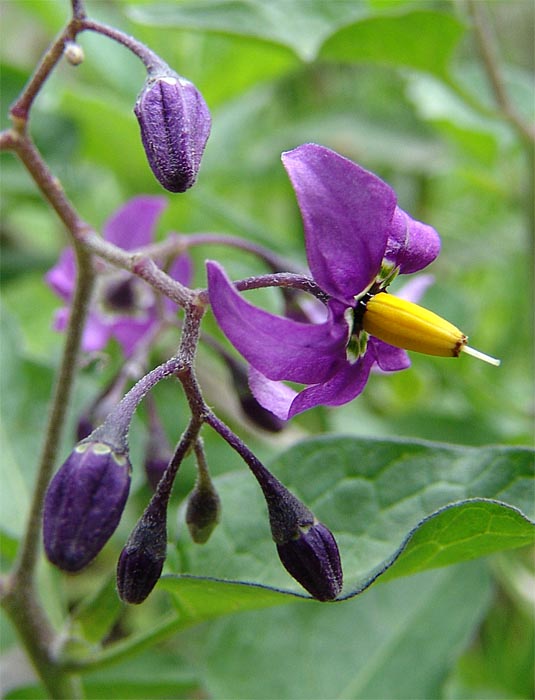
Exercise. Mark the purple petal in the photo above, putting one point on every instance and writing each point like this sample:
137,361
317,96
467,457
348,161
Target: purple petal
132,226
181,270
274,396
346,214
278,347
412,245
129,332
96,334
415,288
61,318
346,384
388,358
61,278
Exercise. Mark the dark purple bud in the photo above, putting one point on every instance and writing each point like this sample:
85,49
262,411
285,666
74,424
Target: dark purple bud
256,413
203,512
313,559
306,547
84,503
158,454
141,562
175,125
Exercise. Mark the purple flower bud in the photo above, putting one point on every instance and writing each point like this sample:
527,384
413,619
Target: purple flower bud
84,503
141,562
203,512
313,559
175,125
306,547
158,454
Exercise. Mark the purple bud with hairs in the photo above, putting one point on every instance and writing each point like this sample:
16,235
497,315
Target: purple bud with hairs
84,503
175,124
306,547
141,561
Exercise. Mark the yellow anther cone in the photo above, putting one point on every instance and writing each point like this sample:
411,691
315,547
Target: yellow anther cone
406,325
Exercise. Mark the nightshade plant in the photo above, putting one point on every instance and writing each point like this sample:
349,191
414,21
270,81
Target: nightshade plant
127,292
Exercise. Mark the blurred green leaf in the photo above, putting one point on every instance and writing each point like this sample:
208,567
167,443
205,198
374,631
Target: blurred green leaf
422,39
96,615
361,649
301,25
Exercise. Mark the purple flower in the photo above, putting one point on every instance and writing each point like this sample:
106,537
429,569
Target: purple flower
357,240
124,307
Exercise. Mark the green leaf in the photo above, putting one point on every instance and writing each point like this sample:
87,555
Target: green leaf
364,648
421,39
300,25
395,507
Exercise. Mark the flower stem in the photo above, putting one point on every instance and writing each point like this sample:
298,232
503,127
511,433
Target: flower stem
151,60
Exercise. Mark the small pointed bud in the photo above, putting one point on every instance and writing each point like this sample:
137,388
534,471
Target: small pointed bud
141,561
306,547
203,511
84,503
175,124
407,325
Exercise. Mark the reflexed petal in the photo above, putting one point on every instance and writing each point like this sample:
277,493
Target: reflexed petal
274,396
346,384
96,334
132,226
61,278
415,288
129,332
412,245
181,270
346,214
276,346
388,358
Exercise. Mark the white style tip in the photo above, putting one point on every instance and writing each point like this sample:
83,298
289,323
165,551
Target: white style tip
480,355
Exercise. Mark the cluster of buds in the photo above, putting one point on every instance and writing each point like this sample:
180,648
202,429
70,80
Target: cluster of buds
86,498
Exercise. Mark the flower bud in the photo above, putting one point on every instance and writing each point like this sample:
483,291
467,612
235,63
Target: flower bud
406,325
306,547
141,561
313,559
84,503
158,454
175,125
203,511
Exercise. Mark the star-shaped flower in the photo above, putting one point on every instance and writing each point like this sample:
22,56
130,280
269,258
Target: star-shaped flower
357,240
123,307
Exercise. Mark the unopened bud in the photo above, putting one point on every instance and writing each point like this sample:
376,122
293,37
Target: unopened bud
313,559
84,503
203,512
175,124
306,547
141,561
74,53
